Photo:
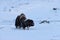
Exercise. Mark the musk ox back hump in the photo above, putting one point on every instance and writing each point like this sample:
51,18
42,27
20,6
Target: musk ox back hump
29,22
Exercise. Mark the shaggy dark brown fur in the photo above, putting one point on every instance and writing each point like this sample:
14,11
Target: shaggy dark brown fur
20,20
28,23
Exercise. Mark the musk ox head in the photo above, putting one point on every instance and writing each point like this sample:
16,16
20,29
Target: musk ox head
29,23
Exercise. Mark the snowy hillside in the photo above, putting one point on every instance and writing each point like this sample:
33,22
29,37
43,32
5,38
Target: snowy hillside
36,10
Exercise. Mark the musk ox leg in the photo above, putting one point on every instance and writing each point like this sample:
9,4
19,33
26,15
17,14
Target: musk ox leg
28,28
18,27
24,28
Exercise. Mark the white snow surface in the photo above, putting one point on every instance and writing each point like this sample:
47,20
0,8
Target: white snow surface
36,10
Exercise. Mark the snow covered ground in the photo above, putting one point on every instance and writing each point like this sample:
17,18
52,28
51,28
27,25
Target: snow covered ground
36,10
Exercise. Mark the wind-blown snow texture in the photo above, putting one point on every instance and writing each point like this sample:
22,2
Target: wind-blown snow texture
36,10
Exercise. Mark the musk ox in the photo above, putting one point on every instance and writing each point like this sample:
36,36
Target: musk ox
28,23
20,20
